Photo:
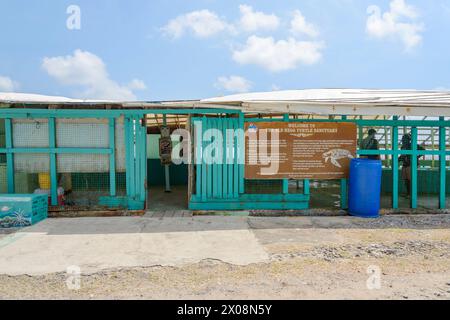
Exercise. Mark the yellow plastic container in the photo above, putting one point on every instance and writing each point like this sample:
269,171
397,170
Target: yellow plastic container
44,181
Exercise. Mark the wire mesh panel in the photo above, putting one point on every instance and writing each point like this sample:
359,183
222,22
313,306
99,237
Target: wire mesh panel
2,133
27,169
82,181
83,177
3,177
325,194
26,134
30,133
263,186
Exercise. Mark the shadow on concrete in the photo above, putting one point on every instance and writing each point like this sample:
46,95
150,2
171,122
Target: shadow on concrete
136,225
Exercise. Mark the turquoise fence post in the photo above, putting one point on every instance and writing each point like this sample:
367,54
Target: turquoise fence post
138,172
414,169
230,146
9,156
215,168
128,151
236,158
395,166
198,157
220,165
131,142
204,162
442,165
306,187
142,160
53,170
241,151
285,186
344,187
224,158
112,157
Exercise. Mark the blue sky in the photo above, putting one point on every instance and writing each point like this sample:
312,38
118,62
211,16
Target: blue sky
162,50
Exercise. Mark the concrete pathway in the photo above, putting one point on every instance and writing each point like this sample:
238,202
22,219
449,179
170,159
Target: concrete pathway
96,244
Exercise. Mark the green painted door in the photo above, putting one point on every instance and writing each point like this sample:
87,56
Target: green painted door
219,158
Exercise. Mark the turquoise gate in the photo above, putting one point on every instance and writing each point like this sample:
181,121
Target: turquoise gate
220,178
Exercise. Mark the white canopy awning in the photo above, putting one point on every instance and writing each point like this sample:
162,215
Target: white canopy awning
341,102
315,102
13,97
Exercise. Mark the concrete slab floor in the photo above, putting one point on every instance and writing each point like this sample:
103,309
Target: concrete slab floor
95,244
159,201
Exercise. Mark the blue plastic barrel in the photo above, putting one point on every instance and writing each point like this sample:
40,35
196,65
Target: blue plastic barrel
364,195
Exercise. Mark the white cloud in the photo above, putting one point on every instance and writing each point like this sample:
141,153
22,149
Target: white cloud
278,55
87,71
299,26
202,24
255,20
7,84
400,22
233,84
137,84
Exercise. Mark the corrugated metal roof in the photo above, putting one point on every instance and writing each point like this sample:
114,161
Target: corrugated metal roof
314,101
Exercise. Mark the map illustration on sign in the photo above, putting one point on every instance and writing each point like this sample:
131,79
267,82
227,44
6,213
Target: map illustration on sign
296,150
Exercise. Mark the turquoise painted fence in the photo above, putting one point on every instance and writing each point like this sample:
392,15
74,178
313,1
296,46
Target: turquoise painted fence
395,152
135,135
220,184
217,187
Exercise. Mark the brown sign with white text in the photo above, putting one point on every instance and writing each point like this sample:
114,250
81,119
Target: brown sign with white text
314,150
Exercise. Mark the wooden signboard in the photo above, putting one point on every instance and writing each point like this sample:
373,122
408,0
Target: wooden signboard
165,150
318,150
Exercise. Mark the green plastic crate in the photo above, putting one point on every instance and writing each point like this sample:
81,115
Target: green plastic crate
22,210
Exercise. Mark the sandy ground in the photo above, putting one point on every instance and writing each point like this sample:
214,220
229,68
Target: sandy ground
309,258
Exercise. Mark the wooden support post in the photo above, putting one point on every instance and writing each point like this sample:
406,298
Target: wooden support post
395,166
112,157
442,166
9,156
53,169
